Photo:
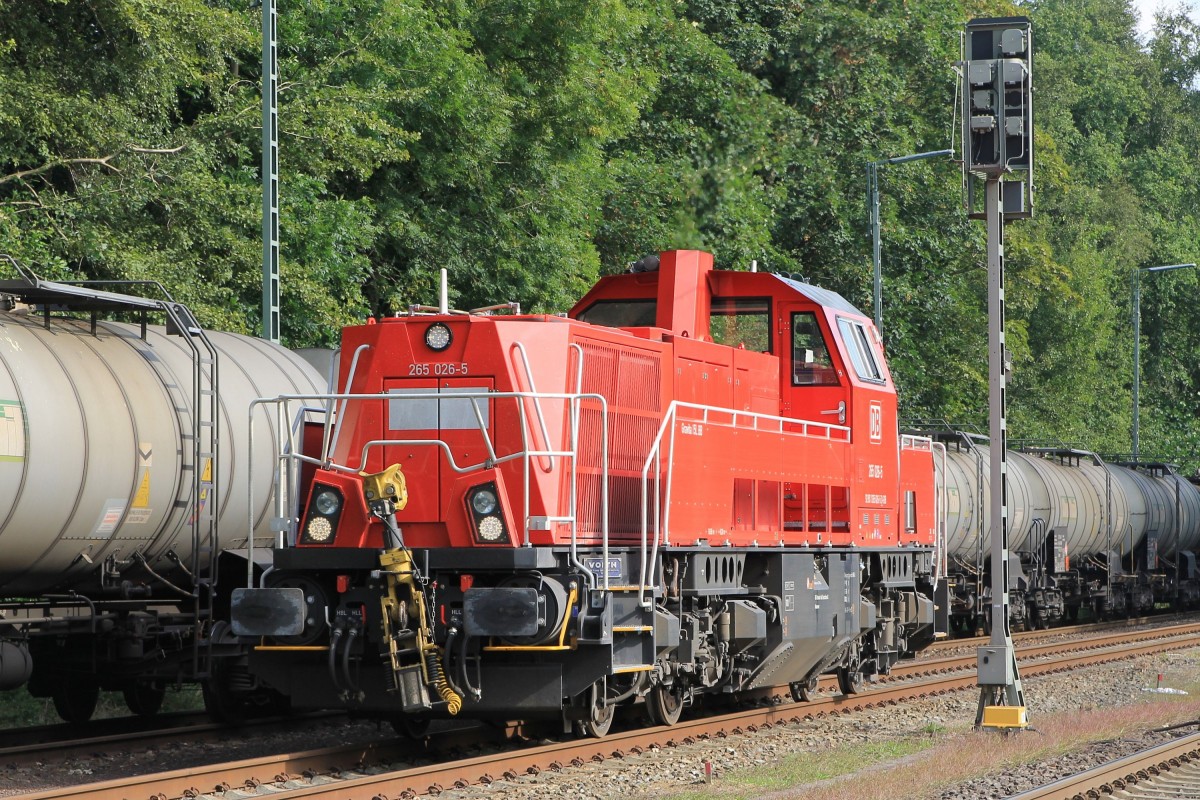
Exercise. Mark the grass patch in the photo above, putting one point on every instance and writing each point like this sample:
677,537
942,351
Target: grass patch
750,783
922,767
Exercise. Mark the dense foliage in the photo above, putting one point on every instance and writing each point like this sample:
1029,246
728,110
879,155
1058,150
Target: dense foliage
531,145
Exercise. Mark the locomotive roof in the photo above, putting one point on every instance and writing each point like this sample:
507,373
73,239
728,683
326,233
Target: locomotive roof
824,297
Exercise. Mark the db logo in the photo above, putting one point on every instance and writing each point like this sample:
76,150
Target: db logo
876,422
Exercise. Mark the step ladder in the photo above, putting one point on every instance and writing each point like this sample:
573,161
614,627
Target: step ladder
632,629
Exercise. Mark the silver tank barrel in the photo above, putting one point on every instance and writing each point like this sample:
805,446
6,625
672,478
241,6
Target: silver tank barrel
1094,506
968,499
96,451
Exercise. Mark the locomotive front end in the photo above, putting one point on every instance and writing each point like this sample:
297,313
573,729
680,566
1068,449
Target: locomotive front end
430,534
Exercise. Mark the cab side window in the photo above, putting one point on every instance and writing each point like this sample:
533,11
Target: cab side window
858,347
741,322
811,365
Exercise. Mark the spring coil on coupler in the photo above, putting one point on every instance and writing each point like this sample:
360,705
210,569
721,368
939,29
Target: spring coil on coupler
433,668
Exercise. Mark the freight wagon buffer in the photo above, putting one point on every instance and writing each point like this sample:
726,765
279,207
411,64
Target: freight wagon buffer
691,484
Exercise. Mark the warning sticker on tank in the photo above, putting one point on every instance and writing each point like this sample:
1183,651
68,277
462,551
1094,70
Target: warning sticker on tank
12,430
110,517
138,516
142,498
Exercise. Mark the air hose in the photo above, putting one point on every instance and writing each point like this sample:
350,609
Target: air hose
433,668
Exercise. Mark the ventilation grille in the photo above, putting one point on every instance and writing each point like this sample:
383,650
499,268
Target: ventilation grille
631,383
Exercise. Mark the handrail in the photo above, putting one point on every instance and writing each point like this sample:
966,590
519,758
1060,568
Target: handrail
941,546
589,576
292,475
784,426
329,448
492,459
520,348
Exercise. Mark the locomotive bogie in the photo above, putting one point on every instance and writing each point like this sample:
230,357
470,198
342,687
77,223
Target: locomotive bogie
526,643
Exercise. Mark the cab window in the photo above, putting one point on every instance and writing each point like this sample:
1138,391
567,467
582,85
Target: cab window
621,313
858,347
741,322
811,365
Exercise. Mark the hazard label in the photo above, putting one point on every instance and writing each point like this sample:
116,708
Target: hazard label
142,498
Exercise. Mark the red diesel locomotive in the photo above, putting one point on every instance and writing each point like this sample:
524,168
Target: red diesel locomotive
693,483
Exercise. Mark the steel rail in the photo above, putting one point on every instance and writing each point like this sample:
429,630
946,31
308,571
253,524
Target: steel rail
1143,770
337,772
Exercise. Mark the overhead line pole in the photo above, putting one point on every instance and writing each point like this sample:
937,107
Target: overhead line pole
270,175
1137,342
873,217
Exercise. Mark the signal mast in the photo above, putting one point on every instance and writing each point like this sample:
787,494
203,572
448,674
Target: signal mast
997,134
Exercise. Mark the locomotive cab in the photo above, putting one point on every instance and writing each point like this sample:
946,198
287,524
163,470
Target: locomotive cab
829,368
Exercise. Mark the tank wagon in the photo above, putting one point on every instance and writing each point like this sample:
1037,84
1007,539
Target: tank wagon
693,484
1113,538
119,447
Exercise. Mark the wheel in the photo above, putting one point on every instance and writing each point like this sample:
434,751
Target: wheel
145,698
410,726
804,691
75,699
221,700
664,704
850,679
1033,618
598,724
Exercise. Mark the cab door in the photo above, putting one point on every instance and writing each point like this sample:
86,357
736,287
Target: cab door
814,386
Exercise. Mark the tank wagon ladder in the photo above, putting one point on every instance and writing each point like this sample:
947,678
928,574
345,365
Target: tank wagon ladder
84,296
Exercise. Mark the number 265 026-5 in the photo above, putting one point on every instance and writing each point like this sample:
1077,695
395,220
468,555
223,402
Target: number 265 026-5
438,368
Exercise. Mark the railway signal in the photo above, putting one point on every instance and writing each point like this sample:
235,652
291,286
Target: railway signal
997,114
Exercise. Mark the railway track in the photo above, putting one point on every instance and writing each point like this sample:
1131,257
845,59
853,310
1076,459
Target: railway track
28,745
1167,770
397,769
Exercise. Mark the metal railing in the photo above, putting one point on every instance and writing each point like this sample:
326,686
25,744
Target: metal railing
705,415
292,409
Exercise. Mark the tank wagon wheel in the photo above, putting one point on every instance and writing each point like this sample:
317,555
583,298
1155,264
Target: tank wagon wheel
75,700
411,726
804,691
850,680
224,699
850,677
145,698
664,704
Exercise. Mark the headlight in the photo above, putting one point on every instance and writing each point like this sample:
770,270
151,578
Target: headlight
318,530
437,337
324,513
484,502
327,502
491,529
486,516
